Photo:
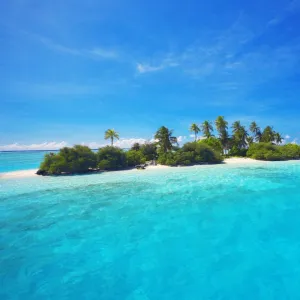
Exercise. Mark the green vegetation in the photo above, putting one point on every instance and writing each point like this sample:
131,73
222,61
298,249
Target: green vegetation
79,159
214,143
190,154
111,134
195,128
222,128
269,151
111,158
165,139
207,129
262,145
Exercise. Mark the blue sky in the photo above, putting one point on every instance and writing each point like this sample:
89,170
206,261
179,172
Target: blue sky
71,69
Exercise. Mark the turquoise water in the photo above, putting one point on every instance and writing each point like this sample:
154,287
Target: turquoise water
207,232
20,160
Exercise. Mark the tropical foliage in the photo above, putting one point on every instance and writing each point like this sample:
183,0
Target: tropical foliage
165,139
111,158
269,151
263,145
195,128
190,154
222,128
214,143
111,134
79,159
207,129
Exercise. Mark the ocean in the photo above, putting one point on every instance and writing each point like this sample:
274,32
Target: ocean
20,160
206,232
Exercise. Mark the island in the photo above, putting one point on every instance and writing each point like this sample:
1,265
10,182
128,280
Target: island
165,150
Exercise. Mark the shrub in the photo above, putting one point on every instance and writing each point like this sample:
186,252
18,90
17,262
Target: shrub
134,158
214,143
265,151
290,151
149,151
189,154
235,151
78,159
111,158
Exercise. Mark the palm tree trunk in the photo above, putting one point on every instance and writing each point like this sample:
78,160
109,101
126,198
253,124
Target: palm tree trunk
195,136
112,141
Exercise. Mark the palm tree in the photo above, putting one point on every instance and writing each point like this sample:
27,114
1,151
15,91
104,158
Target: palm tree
195,128
249,140
207,128
165,139
255,131
268,135
222,126
278,138
240,135
236,126
111,134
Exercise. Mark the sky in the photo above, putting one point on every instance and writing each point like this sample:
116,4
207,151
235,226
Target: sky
72,69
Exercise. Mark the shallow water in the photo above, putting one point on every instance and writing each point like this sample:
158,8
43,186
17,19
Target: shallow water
20,160
207,232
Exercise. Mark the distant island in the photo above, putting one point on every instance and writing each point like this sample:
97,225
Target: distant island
165,150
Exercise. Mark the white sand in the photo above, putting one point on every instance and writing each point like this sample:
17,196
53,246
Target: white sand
31,173
242,160
19,174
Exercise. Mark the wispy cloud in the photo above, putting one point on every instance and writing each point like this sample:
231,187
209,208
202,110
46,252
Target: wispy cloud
181,139
158,64
227,60
41,146
44,90
143,68
295,141
94,53
122,143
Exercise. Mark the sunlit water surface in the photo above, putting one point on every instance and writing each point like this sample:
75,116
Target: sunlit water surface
207,232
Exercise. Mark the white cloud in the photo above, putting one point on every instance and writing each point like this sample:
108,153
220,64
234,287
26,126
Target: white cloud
198,137
166,62
97,52
181,138
295,141
127,143
287,137
104,53
143,68
42,146
122,143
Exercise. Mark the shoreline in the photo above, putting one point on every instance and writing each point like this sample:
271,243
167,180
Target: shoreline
227,161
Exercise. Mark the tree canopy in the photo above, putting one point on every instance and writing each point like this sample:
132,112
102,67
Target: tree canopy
165,138
263,145
111,134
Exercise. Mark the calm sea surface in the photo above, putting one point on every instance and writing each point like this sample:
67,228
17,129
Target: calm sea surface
207,232
21,160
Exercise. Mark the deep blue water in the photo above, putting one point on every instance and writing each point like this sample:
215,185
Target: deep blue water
207,232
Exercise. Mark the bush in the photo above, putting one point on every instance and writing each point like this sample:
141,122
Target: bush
265,151
149,151
290,151
111,158
78,159
190,154
135,157
235,151
214,143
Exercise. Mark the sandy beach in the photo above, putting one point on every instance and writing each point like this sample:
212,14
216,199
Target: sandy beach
19,174
32,172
